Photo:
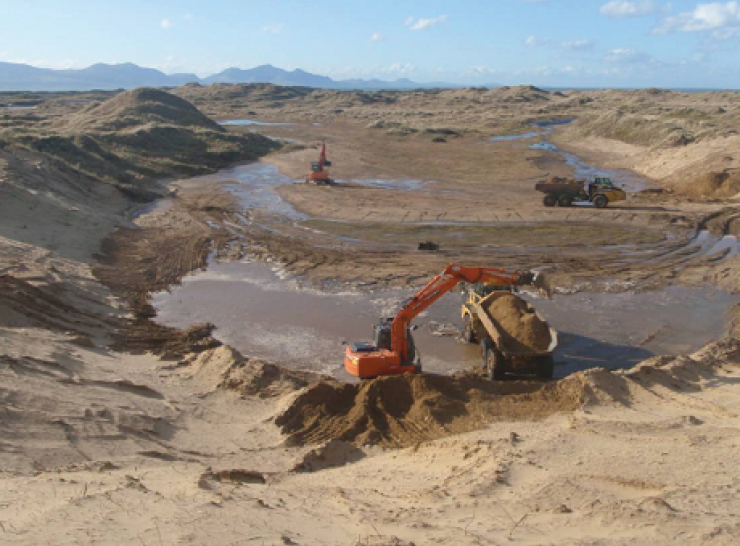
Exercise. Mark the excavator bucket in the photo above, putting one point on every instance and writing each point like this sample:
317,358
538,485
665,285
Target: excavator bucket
540,282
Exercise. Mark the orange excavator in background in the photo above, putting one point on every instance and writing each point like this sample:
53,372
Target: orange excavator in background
393,351
319,173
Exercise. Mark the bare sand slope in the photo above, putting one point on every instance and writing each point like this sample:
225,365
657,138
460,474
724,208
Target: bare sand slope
102,447
177,460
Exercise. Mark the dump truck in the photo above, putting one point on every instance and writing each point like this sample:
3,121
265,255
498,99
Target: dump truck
500,352
565,192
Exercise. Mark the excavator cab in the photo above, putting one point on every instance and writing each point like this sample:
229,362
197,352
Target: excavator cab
319,173
382,333
368,360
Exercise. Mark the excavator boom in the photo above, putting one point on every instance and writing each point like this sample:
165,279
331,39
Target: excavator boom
393,351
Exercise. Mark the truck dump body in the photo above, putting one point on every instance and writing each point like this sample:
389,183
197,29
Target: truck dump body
571,187
503,339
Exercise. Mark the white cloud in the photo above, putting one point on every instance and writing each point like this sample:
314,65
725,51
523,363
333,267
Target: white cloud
165,24
422,23
626,56
534,41
722,20
480,70
401,68
579,45
276,28
620,9
377,37
409,20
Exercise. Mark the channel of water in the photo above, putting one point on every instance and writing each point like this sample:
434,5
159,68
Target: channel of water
265,315
627,180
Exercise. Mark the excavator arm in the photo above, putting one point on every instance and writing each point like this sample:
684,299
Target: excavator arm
438,287
368,360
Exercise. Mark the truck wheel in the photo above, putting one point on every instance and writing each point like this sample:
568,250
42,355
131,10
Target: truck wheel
565,200
601,201
494,362
485,344
550,200
468,330
545,367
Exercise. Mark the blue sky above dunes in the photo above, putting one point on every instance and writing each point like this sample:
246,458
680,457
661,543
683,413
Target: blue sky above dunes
583,43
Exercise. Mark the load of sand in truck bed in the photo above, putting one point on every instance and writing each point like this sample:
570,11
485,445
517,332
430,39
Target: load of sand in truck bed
521,328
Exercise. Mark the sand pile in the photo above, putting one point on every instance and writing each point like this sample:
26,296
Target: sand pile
525,330
224,367
715,184
403,410
560,180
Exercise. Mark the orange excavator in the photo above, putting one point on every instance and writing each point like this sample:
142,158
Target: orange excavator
393,351
319,173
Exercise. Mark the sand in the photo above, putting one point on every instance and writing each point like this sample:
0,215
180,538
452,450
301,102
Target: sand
399,411
100,446
523,329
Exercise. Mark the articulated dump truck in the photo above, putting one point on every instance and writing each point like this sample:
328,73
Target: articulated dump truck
565,192
513,337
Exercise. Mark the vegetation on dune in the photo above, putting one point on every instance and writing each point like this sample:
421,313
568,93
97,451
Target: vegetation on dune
137,136
138,107
663,120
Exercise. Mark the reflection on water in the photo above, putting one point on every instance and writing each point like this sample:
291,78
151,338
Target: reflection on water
269,317
252,122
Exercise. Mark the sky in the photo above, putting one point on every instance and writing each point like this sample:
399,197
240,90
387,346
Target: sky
562,43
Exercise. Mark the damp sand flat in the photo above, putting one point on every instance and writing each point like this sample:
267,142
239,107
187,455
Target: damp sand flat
509,235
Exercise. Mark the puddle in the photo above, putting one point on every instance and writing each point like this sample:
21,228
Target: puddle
282,139
523,136
252,122
388,184
266,316
254,185
620,330
704,245
551,123
12,107
727,245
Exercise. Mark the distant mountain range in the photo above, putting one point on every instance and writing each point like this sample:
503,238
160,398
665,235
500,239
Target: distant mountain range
23,77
